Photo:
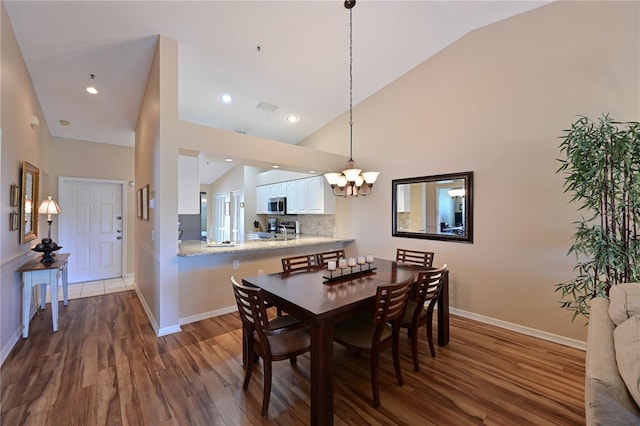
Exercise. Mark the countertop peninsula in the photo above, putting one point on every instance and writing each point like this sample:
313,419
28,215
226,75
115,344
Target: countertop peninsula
202,248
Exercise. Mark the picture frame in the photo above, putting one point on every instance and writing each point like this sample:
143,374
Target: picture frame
145,202
14,195
14,220
139,203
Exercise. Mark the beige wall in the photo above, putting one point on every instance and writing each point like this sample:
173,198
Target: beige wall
113,162
495,102
19,143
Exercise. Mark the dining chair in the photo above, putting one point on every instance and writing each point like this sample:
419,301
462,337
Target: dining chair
323,258
426,289
423,259
281,321
302,263
378,332
270,344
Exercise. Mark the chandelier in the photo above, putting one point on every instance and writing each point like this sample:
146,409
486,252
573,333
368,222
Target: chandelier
351,182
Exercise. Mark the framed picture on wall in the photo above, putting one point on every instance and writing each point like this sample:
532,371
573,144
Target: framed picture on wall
14,195
14,219
145,202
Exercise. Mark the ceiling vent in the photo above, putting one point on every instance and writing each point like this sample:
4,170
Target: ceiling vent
267,107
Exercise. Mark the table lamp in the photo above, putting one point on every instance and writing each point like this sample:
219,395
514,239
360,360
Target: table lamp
47,246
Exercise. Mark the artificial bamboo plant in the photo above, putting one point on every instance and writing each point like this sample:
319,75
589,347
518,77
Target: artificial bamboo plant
602,172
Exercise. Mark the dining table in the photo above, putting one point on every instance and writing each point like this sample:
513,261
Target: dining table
321,298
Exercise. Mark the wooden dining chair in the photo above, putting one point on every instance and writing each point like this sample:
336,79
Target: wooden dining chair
378,332
423,259
303,263
281,321
426,290
270,344
323,258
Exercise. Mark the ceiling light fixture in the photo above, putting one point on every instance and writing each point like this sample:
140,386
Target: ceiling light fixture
91,89
351,182
226,98
228,160
292,118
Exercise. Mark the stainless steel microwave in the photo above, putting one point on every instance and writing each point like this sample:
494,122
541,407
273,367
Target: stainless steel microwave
277,205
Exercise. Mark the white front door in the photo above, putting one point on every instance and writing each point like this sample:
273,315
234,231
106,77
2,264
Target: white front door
92,229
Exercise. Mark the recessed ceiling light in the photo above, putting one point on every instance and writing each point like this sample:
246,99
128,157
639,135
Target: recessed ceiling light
292,118
228,159
276,167
312,172
226,98
92,90
64,122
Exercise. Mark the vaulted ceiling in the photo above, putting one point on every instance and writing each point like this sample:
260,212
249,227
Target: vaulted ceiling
293,56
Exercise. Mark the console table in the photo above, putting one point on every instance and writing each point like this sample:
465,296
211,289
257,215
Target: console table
36,273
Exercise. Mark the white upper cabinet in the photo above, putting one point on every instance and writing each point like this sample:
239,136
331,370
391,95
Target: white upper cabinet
188,185
320,200
304,196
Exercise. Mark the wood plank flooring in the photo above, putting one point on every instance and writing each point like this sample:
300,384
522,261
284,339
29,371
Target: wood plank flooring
106,367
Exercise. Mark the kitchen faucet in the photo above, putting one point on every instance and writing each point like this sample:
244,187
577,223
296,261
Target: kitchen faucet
284,229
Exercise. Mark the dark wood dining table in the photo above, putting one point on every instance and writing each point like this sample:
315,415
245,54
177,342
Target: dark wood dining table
319,305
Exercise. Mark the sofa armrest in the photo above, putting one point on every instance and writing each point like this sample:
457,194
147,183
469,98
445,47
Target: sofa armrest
607,400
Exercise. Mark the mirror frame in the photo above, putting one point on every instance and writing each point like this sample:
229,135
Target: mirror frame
468,207
31,233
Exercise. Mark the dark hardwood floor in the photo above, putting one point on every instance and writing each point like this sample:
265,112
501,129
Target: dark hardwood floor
106,367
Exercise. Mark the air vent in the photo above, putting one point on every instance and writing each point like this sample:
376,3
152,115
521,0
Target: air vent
267,107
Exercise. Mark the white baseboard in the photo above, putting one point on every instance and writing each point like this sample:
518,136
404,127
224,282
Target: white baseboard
159,331
578,344
206,315
8,347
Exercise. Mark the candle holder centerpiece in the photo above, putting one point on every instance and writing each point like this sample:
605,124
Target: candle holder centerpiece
350,263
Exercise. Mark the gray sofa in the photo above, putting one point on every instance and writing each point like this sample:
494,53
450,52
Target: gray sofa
612,368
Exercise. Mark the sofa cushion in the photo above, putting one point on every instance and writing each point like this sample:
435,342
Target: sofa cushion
627,343
607,400
625,302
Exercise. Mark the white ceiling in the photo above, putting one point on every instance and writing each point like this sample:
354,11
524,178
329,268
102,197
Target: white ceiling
302,65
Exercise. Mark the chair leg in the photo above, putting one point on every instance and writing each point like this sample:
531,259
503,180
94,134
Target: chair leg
251,356
396,357
374,380
430,334
266,395
414,350
293,360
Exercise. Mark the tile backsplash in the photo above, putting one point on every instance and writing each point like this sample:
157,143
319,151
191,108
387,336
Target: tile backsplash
322,225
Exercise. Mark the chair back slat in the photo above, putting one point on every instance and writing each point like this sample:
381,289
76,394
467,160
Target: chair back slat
323,258
304,263
251,308
423,259
391,301
428,285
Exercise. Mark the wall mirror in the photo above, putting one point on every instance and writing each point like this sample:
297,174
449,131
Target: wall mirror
438,207
29,203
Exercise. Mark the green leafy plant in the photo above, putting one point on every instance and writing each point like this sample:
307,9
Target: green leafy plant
602,171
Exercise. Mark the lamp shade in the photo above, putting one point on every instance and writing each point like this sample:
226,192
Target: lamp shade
49,207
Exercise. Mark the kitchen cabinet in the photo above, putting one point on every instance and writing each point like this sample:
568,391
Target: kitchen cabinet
320,199
304,196
262,195
188,185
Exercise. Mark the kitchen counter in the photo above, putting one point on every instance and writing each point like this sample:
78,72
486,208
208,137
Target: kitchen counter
201,248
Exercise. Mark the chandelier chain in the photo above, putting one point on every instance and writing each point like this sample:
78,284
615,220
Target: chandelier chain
350,85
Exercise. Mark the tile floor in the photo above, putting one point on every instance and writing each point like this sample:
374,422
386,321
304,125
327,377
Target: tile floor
96,288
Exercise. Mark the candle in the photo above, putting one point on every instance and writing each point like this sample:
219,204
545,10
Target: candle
352,262
342,263
369,258
360,260
331,265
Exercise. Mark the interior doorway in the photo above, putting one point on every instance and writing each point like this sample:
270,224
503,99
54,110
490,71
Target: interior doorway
91,227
